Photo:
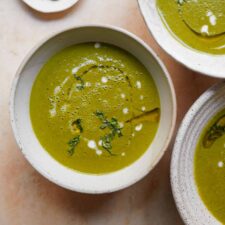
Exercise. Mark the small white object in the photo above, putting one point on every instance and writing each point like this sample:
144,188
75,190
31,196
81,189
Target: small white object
220,164
123,153
143,108
125,110
50,6
205,29
88,84
141,97
92,144
104,79
139,127
123,95
100,143
209,13
121,124
138,84
212,20
98,152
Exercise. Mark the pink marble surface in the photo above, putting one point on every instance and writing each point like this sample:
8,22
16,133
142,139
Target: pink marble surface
25,196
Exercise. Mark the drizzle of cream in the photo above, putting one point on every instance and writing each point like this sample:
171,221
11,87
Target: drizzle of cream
77,68
57,90
212,18
92,145
53,110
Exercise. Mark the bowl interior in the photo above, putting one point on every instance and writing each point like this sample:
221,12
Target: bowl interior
28,142
212,65
189,203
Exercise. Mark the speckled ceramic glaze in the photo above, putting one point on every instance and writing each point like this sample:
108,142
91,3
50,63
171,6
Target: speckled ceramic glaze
212,65
34,152
189,203
50,6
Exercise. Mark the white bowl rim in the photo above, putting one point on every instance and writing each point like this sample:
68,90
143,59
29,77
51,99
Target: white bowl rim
166,76
196,106
45,9
207,64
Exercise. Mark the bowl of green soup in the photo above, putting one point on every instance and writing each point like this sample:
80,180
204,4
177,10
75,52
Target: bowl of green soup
192,32
198,160
93,108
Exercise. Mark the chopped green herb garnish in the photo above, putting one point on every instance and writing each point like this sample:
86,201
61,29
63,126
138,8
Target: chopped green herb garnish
81,85
216,131
78,125
72,144
114,127
100,115
106,142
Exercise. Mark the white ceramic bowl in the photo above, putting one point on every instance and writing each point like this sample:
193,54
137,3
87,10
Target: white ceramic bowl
50,6
208,64
189,203
34,152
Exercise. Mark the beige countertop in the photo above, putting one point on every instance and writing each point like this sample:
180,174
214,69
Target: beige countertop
25,196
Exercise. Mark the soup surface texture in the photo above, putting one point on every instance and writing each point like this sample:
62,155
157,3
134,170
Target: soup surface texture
210,166
197,24
94,108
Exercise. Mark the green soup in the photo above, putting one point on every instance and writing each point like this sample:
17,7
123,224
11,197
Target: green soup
210,166
198,24
94,108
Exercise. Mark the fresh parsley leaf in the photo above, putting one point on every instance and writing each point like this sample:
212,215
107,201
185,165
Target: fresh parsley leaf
72,144
113,126
100,115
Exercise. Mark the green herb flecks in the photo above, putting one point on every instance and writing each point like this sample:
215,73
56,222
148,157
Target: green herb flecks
78,125
113,126
81,84
214,132
72,145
